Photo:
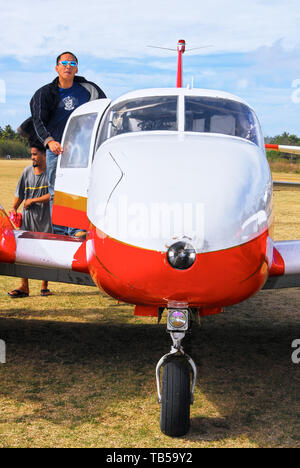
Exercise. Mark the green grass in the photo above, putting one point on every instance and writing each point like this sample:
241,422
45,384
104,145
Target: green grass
80,368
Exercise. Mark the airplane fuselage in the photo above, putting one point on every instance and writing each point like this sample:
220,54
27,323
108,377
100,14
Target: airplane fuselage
152,189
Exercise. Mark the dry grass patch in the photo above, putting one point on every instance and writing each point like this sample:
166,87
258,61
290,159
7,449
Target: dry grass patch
284,166
80,368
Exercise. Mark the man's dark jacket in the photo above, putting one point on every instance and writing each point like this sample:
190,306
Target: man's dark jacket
44,103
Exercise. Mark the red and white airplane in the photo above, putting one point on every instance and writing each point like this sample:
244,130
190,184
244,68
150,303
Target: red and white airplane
175,192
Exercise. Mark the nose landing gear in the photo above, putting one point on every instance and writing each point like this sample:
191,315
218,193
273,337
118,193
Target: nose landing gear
177,394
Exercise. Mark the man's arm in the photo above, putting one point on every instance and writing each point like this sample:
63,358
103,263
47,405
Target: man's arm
19,194
32,201
18,201
38,106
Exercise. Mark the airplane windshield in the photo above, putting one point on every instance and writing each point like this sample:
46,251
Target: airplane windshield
215,115
141,114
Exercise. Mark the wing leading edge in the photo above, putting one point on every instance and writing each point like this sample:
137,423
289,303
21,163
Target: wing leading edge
63,259
42,256
288,271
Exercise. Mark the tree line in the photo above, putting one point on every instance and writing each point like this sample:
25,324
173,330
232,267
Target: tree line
284,139
13,144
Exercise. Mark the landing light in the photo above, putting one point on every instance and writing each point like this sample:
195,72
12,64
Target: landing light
181,255
177,319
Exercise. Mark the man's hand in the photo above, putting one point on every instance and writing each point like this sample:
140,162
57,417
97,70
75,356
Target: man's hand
55,147
32,201
28,203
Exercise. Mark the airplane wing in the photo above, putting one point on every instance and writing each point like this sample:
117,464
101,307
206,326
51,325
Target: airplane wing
279,185
283,148
285,270
42,256
286,254
63,259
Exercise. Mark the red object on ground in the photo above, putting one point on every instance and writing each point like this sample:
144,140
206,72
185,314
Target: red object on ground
16,218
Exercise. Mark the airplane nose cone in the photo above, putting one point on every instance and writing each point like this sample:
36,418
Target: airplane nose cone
152,191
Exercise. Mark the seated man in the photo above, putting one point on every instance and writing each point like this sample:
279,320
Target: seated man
32,188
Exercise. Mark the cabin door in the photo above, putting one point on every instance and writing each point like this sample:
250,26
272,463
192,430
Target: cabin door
74,165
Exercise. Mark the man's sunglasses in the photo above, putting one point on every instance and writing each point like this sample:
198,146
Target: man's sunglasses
65,63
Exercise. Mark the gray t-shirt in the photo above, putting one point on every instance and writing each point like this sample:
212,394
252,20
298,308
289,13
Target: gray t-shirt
37,216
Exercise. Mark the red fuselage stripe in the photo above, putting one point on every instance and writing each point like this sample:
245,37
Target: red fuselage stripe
71,217
141,276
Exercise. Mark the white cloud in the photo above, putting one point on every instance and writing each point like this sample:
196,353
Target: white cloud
255,53
114,28
242,83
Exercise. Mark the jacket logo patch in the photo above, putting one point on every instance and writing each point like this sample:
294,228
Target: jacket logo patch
69,103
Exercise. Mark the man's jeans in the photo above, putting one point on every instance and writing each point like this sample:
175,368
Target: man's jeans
51,161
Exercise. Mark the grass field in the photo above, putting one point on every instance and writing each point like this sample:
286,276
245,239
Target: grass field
80,368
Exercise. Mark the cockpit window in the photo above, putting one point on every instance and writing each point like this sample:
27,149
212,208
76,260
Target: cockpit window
140,115
77,141
215,115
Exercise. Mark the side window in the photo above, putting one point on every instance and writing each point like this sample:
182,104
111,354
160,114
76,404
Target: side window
77,141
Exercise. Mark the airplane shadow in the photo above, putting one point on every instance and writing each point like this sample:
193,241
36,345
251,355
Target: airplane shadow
247,383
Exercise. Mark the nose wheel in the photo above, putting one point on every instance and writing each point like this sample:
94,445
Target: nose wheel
176,393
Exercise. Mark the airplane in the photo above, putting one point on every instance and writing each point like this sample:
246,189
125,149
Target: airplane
175,192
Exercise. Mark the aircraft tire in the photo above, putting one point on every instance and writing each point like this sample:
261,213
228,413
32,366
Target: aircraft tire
176,398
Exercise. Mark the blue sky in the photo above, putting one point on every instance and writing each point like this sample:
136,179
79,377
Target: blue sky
255,50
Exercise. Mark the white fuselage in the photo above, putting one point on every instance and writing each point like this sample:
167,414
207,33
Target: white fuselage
214,190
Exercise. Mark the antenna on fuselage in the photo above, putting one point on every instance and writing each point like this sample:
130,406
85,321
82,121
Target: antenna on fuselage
181,50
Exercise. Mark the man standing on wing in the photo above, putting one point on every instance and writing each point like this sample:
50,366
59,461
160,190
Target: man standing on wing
51,107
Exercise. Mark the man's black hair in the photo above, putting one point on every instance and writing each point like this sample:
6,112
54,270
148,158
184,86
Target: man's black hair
37,144
26,129
63,53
